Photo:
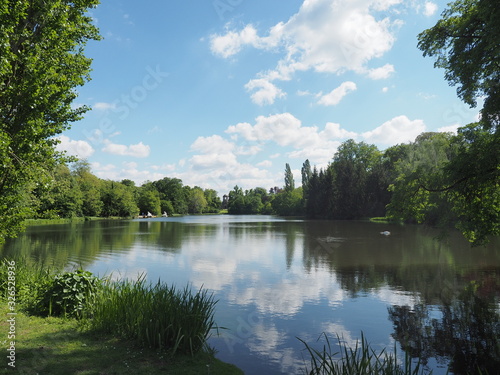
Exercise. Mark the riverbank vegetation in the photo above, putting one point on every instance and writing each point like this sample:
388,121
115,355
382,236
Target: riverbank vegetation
156,325
360,359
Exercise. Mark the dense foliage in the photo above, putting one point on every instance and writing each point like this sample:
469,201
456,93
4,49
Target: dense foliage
74,191
465,43
41,65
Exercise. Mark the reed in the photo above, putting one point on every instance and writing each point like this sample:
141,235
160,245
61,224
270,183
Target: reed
361,359
154,315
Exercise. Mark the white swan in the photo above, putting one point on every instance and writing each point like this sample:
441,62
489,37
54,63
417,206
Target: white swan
385,233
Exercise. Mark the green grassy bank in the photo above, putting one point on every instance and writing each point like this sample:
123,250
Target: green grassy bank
59,346
57,322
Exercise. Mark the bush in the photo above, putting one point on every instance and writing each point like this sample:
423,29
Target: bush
68,294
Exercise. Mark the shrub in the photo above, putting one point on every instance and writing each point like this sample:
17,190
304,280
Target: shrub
68,294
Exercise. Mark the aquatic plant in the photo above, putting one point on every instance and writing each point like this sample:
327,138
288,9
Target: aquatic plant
154,315
362,359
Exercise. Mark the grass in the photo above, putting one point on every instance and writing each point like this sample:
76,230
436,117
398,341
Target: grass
128,328
361,359
154,315
59,346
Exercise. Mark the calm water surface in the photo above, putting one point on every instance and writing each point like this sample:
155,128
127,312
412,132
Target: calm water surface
276,280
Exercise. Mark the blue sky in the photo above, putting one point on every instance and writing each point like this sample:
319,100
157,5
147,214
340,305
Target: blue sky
225,92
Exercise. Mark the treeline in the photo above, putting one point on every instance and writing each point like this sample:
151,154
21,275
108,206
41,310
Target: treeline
76,192
426,181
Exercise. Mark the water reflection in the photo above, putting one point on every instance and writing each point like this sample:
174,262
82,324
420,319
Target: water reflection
277,280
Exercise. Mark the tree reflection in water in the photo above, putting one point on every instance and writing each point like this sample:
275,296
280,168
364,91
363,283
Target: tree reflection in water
464,331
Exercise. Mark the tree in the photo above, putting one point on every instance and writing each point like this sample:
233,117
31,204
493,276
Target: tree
149,199
420,172
172,190
118,200
90,188
353,168
197,200
213,201
306,176
62,197
41,64
465,44
289,181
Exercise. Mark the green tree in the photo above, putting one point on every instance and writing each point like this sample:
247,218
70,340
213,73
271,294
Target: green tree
353,166
465,44
62,197
420,173
197,200
236,202
118,200
149,199
90,188
41,64
213,201
289,181
172,190
288,203
306,172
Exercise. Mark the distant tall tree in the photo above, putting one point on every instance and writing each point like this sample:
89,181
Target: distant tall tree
41,64
289,181
306,176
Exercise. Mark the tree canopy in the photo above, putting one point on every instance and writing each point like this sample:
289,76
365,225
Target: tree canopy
465,42
41,64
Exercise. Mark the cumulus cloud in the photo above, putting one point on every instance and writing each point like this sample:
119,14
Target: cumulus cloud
263,91
397,130
307,142
323,36
81,149
139,150
335,96
430,8
382,72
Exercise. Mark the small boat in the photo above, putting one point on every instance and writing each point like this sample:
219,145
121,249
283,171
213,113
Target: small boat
164,214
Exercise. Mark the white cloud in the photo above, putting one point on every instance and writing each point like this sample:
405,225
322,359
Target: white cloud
323,36
287,131
430,8
265,164
335,96
139,150
382,72
450,129
81,149
102,106
264,92
212,144
397,130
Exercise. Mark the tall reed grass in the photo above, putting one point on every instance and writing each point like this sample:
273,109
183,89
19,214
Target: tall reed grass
360,360
154,315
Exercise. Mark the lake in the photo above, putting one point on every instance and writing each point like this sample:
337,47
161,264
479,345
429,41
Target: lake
278,280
